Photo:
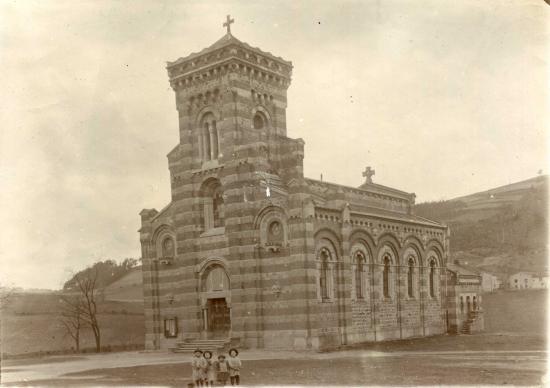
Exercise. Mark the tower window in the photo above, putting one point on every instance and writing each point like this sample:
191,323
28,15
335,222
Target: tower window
259,121
218,208
213,204
209,138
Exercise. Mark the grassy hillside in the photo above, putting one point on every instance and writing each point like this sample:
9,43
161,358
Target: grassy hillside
501,230
126,289
31,324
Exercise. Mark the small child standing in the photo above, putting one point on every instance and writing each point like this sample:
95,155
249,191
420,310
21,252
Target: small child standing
197,366
234,366
209,374
222,370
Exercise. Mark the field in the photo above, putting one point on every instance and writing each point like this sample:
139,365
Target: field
516,312
447,360
31,325
511,352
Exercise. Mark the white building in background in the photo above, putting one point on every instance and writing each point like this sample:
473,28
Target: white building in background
489,282
528,280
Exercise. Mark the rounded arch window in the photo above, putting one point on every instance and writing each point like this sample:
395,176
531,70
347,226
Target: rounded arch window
410,277
360,278
209,137
324,279
386,276
259,121
168,248
432,278
216,279
213,204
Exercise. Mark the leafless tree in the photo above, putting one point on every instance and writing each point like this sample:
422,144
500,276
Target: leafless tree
72,317
89,296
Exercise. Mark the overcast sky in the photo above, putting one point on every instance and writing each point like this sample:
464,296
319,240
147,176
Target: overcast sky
442,98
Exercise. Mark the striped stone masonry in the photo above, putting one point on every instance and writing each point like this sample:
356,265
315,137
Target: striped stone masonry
249,249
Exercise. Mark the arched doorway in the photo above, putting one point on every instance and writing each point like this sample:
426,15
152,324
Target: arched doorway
216,302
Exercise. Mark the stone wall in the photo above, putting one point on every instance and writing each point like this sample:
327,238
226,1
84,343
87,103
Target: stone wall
274,279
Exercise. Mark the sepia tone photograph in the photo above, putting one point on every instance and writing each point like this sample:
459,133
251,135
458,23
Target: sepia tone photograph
274,193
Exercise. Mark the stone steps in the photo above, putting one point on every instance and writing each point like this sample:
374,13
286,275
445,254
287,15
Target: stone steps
467,325
212,345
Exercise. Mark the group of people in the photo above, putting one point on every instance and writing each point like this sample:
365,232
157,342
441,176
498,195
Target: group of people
206,371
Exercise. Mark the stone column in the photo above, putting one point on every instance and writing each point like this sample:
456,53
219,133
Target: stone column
211,132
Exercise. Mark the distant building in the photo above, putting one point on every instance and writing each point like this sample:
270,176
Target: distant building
528,280
489,282
464,287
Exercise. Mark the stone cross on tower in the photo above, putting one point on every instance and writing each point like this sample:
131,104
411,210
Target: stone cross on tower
368,173
228,23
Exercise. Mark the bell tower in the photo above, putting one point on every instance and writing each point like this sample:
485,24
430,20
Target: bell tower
230,96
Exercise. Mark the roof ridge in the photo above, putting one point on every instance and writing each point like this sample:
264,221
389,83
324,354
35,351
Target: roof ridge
226,40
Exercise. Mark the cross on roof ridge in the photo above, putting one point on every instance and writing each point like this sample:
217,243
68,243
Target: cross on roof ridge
228,23
368,173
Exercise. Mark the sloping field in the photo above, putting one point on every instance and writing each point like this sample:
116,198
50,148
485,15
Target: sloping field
126,289
31,323
516,312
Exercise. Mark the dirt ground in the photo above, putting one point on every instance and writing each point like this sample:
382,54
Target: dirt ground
448,360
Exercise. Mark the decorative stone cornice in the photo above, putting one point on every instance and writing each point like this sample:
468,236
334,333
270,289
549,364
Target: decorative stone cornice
229,55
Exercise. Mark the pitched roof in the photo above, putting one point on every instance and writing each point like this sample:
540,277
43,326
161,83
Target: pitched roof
227,40
461,270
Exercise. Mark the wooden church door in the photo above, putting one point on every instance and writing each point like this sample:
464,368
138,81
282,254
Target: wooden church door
219,320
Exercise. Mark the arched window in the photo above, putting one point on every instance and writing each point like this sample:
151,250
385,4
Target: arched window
259,121
461,304
207,145
324,278
432,278
360,275
168,249
218,208
410,278
468,307
326,260
475,304
213,204
209,138
386,277
216,280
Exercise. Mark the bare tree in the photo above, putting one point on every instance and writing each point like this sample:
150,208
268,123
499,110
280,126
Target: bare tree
72,317
86,284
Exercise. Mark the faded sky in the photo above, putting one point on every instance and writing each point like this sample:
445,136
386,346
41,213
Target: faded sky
442,98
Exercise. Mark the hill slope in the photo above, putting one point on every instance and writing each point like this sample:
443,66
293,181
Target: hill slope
126,289
31,323
501,230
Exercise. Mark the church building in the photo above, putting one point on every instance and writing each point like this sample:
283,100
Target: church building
252,252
